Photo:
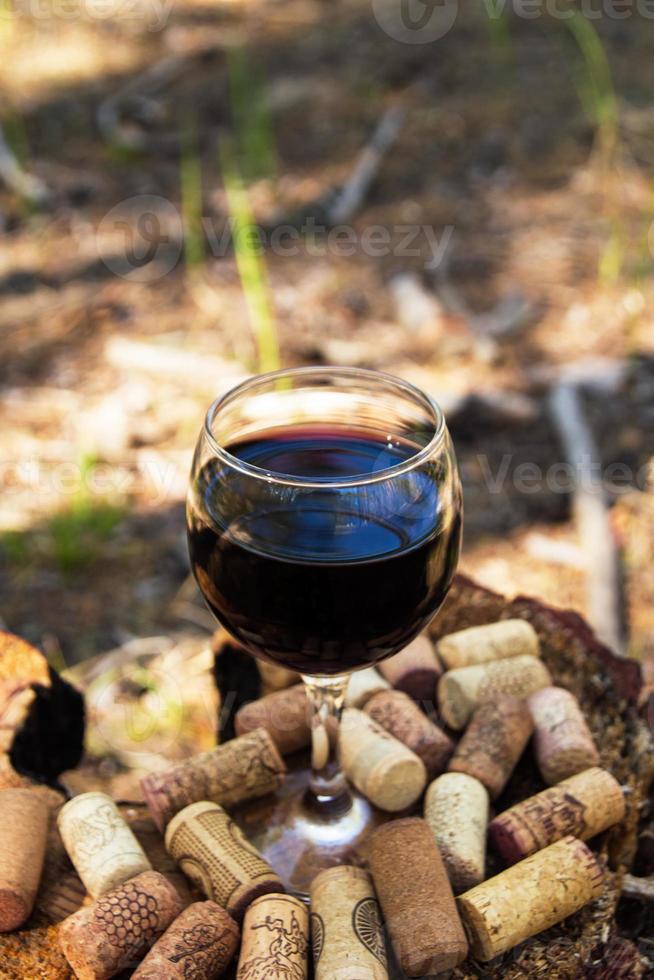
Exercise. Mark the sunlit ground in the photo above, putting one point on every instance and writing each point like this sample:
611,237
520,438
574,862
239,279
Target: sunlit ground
107,372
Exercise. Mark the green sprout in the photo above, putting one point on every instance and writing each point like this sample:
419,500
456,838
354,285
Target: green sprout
596,89
500,36
191,200
250,262
598,97
255,146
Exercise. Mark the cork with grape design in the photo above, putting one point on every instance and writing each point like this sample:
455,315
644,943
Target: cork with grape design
117,930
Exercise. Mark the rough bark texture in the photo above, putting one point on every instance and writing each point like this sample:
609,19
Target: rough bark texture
41,715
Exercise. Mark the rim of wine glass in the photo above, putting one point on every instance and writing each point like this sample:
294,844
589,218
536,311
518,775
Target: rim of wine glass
325,482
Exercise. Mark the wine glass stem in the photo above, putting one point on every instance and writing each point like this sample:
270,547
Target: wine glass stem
328,787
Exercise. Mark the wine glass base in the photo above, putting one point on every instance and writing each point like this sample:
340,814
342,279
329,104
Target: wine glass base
298,841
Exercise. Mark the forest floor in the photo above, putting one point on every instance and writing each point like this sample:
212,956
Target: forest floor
532,250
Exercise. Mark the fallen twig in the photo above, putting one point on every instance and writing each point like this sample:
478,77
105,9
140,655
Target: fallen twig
548,549
596,537
351,196
26,185
641,888
509,315
604,375
174,362
140,88
512,406
139,93
416,309
131,651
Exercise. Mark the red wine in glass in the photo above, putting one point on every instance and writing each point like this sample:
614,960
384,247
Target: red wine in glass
335,582
324,525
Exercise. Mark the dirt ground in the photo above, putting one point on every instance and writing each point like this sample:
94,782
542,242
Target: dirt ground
107,364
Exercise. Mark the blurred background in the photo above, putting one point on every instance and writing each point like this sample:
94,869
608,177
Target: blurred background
195,190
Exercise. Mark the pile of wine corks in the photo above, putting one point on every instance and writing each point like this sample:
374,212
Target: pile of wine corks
498,696
432,739
136,918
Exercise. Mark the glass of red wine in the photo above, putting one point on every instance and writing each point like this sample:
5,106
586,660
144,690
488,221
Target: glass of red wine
324,523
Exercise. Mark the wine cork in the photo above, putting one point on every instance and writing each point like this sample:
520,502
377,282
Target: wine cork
362,685
275,939
383,769
414,670
456,809
563,744
416,898
285,716
346,926
23,834
584,805
531,896
493,742
494,641
461,690
214,853
101,846
402,718
200,944
243,769
118,929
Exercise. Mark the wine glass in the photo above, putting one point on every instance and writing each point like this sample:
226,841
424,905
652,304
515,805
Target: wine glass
324,524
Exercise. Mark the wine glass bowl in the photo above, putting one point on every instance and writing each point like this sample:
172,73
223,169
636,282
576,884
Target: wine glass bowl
324,523
324,517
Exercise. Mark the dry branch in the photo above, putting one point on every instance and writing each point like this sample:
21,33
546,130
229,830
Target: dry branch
509,315
352,195
641,888
139,93
25,185
603,375
174,362
591,515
